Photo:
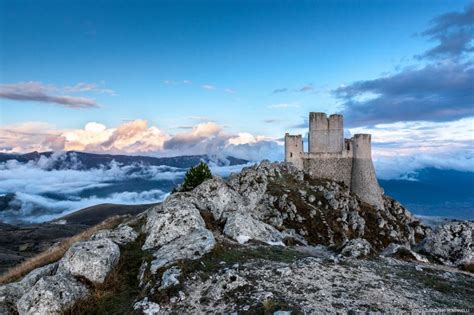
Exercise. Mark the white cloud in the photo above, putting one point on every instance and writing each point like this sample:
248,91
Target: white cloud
284,105
208,87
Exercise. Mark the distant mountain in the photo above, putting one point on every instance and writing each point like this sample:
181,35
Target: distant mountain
435,192
84,161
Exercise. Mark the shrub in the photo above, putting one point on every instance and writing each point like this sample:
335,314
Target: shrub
195,176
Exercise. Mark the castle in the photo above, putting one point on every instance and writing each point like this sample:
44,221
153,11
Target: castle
332,157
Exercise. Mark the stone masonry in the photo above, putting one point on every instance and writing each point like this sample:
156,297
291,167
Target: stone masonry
332,157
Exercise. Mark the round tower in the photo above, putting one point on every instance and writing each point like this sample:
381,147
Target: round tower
364,182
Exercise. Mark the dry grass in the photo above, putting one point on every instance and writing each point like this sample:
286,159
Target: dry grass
55,253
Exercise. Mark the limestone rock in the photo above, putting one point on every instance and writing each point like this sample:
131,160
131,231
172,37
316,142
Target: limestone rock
451,243
356,248
92,260
402,252
10,293
122,235
170,277
147,307
178,217
216,196
51,295
243,227
191,246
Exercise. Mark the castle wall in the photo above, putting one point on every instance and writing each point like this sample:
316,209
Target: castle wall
294,150
364,182
329,166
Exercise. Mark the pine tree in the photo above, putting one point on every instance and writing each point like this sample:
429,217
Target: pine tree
195,176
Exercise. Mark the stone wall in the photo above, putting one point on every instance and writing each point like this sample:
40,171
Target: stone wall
335,168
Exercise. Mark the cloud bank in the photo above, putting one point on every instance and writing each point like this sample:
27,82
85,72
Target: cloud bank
44,194
137,137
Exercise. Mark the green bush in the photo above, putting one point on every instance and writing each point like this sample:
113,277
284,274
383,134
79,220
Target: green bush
195,176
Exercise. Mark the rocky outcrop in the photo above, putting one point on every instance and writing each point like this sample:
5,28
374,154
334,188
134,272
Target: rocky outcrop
92,260
122,235
242,228
212,250
192,246
178,216
452,244
402,252
51,295
357,248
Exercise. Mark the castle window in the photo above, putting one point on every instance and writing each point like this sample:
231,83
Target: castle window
291,154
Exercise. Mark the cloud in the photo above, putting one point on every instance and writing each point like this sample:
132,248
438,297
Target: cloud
30,136
88,87
306,88
38,92
230,91
272,121
275,91
454,32
44,194
284,105
399,149
208,87
133,137
437,92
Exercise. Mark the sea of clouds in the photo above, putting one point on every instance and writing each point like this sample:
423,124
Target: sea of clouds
43,194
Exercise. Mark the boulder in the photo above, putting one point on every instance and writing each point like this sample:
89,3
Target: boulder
191,246
216,196
51,295
92,260
9,294
147,307
178,216
170,278
12,292
356,248
242,227
402,252
451,244
122,235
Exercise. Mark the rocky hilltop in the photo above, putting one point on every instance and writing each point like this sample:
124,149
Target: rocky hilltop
268,240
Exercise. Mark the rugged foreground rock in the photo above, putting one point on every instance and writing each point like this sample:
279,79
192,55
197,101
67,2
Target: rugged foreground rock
268,239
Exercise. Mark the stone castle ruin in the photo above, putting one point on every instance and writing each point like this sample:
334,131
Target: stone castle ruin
332,157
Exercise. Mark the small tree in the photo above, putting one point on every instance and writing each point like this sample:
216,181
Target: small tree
195,176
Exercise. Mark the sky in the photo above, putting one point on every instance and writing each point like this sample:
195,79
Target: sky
231,77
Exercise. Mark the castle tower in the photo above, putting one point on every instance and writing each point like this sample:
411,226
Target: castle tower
318,132
294,150
363,182
335,134
325,134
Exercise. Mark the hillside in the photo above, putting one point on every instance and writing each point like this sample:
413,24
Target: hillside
267,239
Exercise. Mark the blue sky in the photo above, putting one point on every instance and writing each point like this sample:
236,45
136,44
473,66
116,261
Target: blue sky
253,67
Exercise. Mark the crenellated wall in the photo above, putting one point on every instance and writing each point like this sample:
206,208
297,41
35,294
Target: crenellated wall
332,157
